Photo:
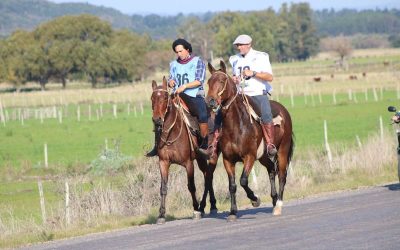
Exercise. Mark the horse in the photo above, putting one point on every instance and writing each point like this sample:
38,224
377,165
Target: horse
175,145
241,139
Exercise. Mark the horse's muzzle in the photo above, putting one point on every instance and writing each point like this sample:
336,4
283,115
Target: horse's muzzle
157,121
212,103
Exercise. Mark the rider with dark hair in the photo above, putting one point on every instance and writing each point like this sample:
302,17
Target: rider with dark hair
187,76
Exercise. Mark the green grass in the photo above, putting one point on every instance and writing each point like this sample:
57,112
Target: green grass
345,120
73,145
72,142
78,143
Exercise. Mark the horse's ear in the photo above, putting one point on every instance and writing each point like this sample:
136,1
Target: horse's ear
222,65
153,84
164,83
211,68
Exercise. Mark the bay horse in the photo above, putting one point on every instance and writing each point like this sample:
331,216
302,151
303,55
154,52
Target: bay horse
241,140
175,146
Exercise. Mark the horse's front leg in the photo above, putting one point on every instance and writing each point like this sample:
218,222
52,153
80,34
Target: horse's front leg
208,173
244,181
192,189
230,170
164,167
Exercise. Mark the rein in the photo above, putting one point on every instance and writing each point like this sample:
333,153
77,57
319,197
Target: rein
245,99
166,131
223,89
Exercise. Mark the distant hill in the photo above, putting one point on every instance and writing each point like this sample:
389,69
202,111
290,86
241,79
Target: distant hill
28,14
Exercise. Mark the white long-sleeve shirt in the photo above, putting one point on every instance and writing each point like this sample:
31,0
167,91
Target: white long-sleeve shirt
256,61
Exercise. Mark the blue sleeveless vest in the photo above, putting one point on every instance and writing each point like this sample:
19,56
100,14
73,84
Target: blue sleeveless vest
185,73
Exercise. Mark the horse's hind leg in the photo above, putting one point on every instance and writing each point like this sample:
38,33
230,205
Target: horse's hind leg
164,166
282,173
270,165
244,182
192,189
208,172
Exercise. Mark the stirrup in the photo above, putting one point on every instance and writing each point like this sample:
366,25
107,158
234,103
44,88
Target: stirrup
272,151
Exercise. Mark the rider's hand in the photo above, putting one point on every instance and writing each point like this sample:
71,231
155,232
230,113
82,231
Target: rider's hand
171,83
396,119
247,73
235,79
181,89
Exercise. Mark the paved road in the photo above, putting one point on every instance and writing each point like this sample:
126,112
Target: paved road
367,218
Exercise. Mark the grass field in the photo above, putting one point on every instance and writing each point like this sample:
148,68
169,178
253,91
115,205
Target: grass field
79,142
351,108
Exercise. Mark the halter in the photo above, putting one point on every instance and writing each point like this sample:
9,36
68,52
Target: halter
165,112
222,91
166,131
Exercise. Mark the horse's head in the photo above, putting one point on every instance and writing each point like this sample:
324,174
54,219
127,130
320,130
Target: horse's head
219,86
159,101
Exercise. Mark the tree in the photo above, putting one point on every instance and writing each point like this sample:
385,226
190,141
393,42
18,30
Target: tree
341,46
198,34
302,33
15,53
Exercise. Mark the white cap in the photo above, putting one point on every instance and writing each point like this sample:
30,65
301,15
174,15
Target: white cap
242,39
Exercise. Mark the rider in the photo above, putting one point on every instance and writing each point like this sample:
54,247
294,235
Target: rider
187,76
252,70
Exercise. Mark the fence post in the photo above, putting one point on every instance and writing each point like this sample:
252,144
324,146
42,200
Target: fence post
328,149
42,205
381,126
67,214
358,141
253,174
115,110
2,116
46,162
90,112
334,96
141,108
291,97
78,113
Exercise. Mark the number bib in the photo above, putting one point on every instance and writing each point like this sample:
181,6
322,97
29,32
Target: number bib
185,73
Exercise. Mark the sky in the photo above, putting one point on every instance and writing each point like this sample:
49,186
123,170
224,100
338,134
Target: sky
173,7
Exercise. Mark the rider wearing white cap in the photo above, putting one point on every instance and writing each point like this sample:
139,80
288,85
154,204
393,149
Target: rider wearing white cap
252,69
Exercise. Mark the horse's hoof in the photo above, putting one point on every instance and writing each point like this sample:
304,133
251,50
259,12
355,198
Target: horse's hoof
256,203
160,221
213,211
277,210
232,218
196,215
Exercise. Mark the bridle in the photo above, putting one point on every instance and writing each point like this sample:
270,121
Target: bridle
168,103
225,107
165,131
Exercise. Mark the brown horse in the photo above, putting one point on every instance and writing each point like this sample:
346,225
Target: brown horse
242,141
175,146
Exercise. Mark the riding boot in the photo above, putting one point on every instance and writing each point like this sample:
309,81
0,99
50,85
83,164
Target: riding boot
212,149
154,151
203,144
268,132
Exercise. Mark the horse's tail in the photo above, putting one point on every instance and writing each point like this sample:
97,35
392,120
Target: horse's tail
291,149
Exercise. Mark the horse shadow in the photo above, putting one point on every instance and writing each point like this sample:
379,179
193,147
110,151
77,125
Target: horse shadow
244,214
393,187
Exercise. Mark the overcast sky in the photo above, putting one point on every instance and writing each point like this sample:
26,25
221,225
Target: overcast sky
173,7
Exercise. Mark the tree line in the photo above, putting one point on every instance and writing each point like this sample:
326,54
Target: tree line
87,48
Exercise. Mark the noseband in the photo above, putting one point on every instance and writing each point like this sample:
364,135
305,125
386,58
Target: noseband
168,103
222,91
